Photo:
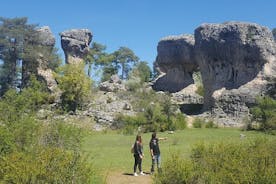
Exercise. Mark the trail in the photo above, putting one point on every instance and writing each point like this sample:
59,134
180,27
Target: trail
127,178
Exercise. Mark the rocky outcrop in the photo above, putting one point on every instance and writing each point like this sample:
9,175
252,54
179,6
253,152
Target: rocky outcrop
237,62
46,39
75,44
175,63
105,109
113,85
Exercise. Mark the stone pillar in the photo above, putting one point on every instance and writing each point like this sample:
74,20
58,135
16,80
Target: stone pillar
75,44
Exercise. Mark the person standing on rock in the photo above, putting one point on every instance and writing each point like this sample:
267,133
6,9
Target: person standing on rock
155,152
138,155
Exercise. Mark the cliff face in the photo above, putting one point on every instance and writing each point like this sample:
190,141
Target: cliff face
75,44
237,63
175,63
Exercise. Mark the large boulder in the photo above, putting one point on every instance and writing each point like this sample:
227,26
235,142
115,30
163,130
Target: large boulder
113,85
75,44
175,63
237,63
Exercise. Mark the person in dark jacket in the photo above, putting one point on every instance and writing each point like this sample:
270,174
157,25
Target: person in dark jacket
138,155
155,151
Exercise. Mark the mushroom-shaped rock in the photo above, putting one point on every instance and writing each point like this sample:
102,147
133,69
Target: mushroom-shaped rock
75,44
237,63
175,63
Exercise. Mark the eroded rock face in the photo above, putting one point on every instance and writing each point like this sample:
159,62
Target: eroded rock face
175,63
75,44
40,68
46,36
237,63
113,85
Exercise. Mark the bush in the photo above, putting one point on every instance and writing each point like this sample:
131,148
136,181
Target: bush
198,123
45,165
265,113
179,121
75,86
210,124
175,170
225,162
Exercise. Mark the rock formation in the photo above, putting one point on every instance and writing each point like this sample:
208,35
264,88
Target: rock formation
175,63
46,39
75,44
237,62
113,85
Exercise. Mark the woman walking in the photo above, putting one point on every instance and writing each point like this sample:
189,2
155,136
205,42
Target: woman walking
138,155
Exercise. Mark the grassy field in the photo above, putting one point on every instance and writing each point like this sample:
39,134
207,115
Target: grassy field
110,151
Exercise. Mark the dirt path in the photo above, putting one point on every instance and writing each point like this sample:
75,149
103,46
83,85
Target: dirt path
127,178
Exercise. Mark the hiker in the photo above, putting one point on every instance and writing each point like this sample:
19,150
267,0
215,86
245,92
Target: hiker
155,152
138,155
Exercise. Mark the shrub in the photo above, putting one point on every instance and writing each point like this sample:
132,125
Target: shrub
210,124
225,162
45,165
175,170
75,86
179,121
198,123
265,113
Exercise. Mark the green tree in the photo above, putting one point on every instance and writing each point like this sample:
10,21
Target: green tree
265,113
75,86
95,56
108,71
13,34
143,71
123,59
20,51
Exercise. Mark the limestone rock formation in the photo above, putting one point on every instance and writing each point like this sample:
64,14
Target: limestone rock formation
40,68
175,63
113,85
237,62
46,36
75,44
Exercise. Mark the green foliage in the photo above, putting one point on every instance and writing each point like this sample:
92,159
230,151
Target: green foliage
45,165
198,81
224,162
198,123
96,56
200,90
108,71
61,135
210,124
175,170
159,115
123,58
32,152
75,86
265,113
179,122
21,50
142,71
13,36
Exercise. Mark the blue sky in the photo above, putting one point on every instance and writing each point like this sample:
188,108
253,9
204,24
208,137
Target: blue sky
137,24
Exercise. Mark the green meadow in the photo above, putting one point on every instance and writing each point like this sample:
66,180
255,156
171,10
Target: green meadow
110,151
